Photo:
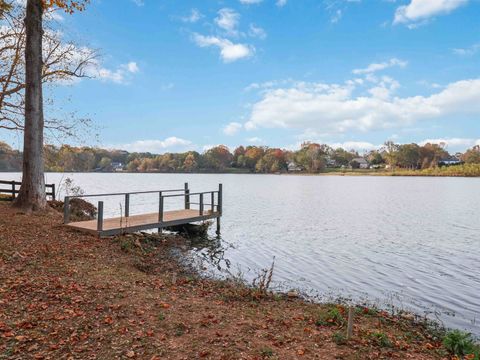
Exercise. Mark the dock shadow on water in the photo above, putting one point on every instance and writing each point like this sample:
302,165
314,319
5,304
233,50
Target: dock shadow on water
202,251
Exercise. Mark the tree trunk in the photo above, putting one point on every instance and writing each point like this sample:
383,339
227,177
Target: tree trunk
32,192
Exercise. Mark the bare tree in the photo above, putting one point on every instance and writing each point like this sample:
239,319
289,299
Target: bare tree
64,62
32,192
38,66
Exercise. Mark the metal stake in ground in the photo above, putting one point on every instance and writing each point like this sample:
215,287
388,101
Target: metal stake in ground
350,323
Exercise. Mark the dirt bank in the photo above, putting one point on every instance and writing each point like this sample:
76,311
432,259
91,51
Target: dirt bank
66,295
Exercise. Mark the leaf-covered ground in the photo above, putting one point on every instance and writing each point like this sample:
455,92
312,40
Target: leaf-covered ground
67,295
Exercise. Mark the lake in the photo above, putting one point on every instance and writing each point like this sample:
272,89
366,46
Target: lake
412,242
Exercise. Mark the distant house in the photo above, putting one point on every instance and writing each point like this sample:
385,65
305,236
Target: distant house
330,162
362,163
450,160
116,166
293,167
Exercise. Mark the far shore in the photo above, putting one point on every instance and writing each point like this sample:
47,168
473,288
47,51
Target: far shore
436,172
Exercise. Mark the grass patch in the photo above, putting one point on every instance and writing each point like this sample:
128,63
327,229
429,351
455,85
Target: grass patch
380,339
266,352
339,338
180,329
461,343
332,317
161,316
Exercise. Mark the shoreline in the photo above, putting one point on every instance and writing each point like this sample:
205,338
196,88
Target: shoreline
406,173
68,293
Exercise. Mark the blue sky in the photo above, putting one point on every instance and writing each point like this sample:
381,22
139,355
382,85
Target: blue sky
180,75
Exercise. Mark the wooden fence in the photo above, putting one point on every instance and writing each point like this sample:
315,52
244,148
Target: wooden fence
10,189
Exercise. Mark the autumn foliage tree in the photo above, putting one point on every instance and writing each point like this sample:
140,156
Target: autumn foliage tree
32,192
218,157
4,7
472,156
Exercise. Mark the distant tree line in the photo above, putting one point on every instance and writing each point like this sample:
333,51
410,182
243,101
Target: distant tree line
310,158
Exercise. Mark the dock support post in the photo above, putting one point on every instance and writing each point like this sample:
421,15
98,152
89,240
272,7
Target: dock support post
350,323
160,211
127,205
100,216
219,207
13,190
201,204
53,192
187,197
66,210
218,226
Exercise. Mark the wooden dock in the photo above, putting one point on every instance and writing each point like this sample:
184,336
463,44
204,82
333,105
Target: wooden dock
209,206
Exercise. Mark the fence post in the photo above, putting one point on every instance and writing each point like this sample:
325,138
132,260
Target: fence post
187,197
160,210
220,198
212,201
66,210
100,216
13,190
127,205
160,207
201,204
53,192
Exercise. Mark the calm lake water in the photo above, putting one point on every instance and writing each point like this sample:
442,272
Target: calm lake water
410,242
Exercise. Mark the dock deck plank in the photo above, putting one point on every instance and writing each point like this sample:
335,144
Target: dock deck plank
119,224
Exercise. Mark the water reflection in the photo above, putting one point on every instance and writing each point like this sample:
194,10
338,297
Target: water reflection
210,250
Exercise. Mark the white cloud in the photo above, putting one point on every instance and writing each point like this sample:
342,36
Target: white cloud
132,67
337,15
116,76
428,84
422,10
228,20
281,3
53,14
255,140
467,51
172,143
193,17
256,31
209,146
372,68
268,84
337,8
334,108
119,76
229,51
453,143
168,86
138,2
360,146
250,2
232,128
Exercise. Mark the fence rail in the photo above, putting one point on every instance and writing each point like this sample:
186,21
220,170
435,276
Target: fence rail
12,190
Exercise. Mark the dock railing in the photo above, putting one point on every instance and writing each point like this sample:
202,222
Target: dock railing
214,207
14,188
